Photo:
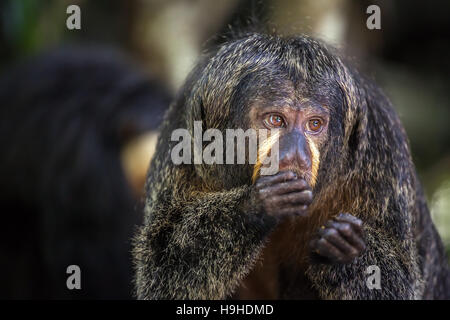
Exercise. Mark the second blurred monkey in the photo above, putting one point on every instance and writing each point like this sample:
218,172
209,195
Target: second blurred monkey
73,126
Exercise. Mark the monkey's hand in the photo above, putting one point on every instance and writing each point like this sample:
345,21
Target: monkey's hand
283,195
340,240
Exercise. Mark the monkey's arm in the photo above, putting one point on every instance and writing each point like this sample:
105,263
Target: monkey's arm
394,256
199,248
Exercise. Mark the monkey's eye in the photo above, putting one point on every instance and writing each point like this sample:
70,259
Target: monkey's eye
315,125
275,121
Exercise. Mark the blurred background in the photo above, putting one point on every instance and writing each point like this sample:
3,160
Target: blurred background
158,43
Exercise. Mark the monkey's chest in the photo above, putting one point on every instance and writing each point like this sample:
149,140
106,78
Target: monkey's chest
274,276
262,284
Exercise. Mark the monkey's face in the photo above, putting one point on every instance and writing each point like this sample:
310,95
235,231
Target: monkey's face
303,130
294,85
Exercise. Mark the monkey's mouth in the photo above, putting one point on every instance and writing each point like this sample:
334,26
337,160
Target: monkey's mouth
300,173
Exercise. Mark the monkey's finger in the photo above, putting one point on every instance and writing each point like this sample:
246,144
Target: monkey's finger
356,223
357,242
264,181
346,230
301,211
280,201
326,249
313,244
286,187
332,234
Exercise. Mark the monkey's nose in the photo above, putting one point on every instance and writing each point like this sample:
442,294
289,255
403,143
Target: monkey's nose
297,158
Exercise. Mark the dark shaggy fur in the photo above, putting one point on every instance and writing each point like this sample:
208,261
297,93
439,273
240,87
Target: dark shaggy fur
64,117
202,234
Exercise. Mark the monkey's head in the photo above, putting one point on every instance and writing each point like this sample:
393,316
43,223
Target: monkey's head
293,84
303,128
